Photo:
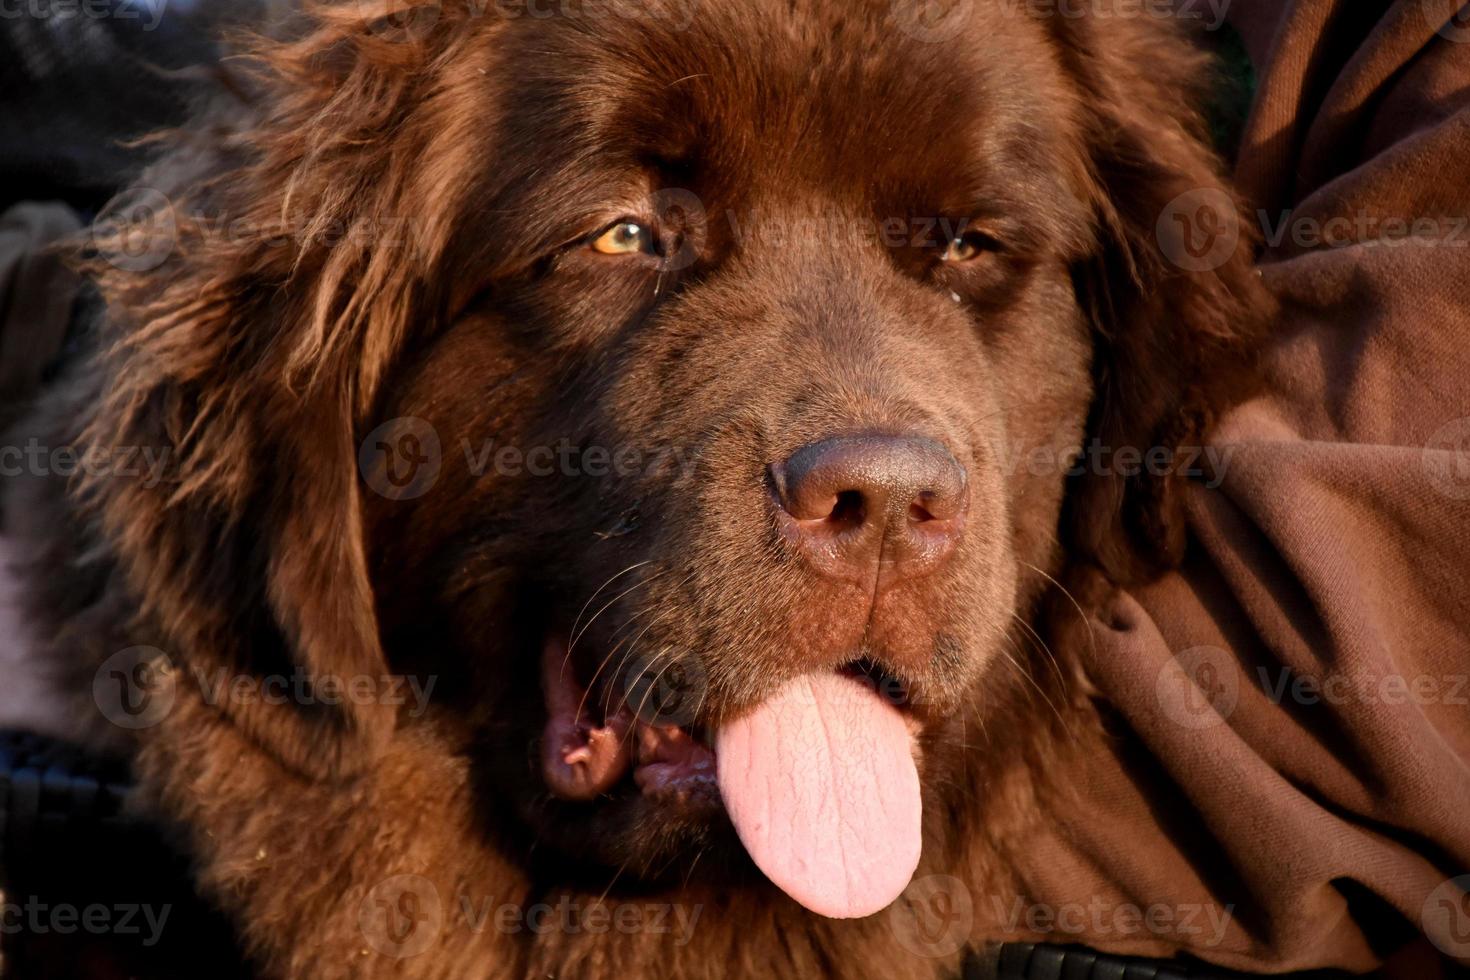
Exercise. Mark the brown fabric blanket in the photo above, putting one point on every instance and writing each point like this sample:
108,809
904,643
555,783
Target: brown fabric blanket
1292,708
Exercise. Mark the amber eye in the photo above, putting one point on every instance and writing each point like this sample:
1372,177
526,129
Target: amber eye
968,247
625,238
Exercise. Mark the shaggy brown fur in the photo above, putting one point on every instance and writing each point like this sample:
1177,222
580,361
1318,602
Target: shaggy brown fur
395,226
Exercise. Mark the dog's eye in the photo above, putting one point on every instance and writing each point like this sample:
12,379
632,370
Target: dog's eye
625,238
969,246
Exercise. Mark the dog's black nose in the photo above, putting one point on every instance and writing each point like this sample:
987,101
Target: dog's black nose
872,508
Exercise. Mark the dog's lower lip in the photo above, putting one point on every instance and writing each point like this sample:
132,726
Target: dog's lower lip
671,761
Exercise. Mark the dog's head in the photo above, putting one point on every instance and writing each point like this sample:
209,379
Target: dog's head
670,383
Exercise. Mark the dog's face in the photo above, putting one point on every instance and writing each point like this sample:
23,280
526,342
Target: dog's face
778,303
756,347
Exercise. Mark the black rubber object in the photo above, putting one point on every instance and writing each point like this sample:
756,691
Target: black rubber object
49,789
1039,961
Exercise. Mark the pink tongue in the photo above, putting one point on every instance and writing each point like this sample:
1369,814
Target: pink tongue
821,785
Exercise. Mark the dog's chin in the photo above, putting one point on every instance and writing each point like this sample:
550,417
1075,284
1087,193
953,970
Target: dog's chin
637,840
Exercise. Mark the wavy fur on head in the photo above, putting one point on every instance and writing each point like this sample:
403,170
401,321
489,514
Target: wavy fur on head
349,247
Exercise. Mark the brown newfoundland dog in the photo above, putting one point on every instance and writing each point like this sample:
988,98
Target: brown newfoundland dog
617,459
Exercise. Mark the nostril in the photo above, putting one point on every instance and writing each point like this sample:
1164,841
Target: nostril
817,501
919,512
848,510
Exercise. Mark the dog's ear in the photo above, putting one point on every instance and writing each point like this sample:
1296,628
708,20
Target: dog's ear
257,292
1177,306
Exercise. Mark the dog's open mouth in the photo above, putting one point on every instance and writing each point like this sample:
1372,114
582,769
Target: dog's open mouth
819,781
592,742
